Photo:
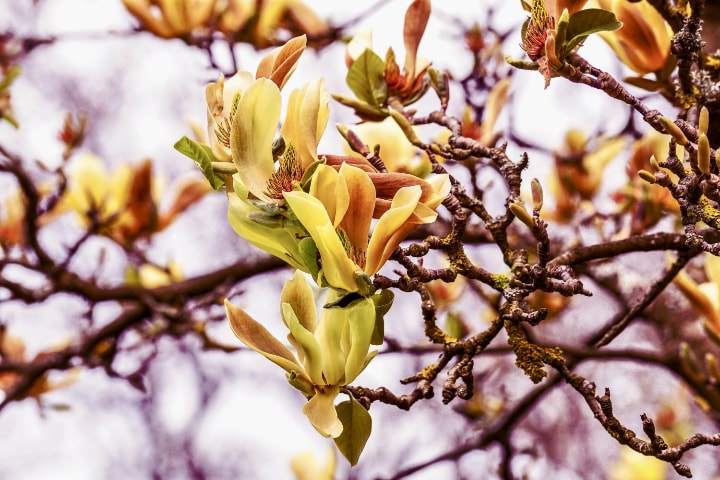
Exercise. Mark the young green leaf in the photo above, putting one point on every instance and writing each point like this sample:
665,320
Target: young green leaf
366,78
588,21
203,156
357,425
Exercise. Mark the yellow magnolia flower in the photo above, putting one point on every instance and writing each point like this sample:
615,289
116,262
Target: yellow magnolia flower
579,168
643,42
224,96
305,466
171,18
337,213
329,353
123,203
272,17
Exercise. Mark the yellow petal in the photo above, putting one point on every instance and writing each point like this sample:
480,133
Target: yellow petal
299,295
361,321
337,269
320,410
253,131
306,119
278,240
331,189
140,9
305,342
384,239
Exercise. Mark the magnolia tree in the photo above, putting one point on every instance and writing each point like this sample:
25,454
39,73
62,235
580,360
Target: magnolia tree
534,310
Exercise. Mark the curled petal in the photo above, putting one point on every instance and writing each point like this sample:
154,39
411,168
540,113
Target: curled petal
384,239
356,222
299,295
257,337
307,346
280,63
320,410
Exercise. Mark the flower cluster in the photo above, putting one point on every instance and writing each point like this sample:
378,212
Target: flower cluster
334,217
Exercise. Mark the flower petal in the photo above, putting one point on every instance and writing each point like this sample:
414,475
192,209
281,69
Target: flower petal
361,320
257,337
306,344
307,116
320,410
252,135
298,293
337,269
330,188
361,191
282,61
384,239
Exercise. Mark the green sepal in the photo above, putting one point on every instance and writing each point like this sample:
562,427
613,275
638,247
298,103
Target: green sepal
357,426
307,175
561,28
9,77
203,156
309,255
439,83
585,22
366,78
383,300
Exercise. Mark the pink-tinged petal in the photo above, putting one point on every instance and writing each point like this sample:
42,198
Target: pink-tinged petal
252,135
356,222
416,18
282,61
320,410
258,338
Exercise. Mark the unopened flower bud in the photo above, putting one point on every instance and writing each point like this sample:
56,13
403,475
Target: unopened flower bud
647,176
537,194
703,154
518,209
674,131
703,120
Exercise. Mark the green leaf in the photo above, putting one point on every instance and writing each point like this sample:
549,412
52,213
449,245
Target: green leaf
309,255
366,78
357,425
383,301
585,22
203,156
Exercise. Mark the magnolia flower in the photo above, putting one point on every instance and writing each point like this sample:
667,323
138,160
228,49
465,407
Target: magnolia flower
224,96
579,167
270,17
171,18
643,42
337,213
329,353
123,203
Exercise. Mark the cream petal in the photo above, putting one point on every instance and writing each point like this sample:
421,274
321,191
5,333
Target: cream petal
253,132
320,410
330,188
307,115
